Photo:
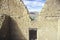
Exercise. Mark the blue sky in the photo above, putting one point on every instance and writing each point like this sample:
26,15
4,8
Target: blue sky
34,5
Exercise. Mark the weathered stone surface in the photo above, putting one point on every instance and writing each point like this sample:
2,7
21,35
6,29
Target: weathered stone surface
48,21
2,18
51,8
19,18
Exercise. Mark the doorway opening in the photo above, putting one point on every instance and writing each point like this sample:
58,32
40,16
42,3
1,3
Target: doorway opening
32,34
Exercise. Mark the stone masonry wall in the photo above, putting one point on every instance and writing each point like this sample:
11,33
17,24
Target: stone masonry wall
47,22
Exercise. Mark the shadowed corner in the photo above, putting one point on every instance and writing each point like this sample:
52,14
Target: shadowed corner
10,30
4,31
15,31
57,2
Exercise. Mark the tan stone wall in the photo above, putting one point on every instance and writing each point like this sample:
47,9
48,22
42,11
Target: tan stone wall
19,18
48,18
48,29
47,23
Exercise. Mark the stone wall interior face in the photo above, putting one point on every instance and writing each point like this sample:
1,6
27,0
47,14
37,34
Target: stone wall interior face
19,19
50,16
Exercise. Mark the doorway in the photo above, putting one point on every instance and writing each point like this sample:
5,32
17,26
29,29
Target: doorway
32,34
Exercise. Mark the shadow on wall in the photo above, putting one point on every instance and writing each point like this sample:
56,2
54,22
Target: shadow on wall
15,31
4,31
10,30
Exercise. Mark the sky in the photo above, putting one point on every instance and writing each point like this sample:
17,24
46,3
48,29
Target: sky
34,5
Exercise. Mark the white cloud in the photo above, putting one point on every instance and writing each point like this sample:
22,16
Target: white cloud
34,5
